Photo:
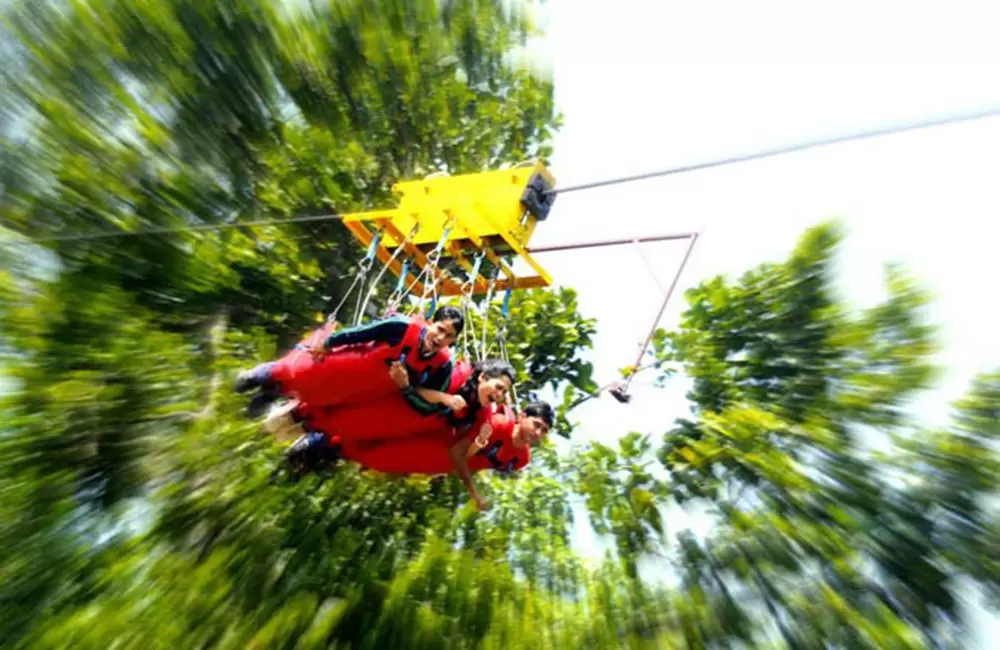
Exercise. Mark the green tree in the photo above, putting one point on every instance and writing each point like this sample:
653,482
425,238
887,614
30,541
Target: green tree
787,380
621,496
136,504
165,114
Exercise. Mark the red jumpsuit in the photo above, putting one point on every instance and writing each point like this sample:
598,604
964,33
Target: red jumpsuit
357,371
428,453
385,418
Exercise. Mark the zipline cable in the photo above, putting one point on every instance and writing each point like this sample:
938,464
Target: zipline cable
141,232
812,144
778,151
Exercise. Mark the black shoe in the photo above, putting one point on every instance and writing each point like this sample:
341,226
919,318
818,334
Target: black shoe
332,453
259,403
245,382
326,458
306,452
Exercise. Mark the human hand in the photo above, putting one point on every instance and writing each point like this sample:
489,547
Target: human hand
481,503
480,441
399,375
318,350
500,417
454,402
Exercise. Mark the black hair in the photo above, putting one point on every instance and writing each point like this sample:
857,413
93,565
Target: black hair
491,369
541,410
452,313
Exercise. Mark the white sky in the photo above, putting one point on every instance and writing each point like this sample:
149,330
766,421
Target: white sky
651,84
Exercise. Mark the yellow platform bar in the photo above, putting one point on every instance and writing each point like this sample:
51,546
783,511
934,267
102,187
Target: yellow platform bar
495,212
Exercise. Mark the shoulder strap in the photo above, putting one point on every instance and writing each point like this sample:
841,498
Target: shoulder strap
412,337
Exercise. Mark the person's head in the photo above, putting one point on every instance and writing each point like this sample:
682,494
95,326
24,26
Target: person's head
444,329
534,421
493,379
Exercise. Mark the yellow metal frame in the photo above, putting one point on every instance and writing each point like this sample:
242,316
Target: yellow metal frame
484,211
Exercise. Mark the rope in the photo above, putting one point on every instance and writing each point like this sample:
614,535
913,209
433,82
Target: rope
359,276
619,388
649,266
465,331
385,267
367,265
336,310
483,351
432,263
502,336
659,315
609,386
398,294
430,310
434,299
416,279
467,288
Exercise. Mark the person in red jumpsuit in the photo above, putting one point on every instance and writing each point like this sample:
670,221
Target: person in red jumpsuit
411,412
349,365
416,409
499,440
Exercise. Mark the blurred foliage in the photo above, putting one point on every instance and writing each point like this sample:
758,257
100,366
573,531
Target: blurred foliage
135,505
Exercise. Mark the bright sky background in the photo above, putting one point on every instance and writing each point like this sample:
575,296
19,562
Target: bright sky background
652,84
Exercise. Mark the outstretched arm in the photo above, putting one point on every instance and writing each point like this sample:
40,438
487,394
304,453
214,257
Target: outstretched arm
388,330
454,402
458,452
